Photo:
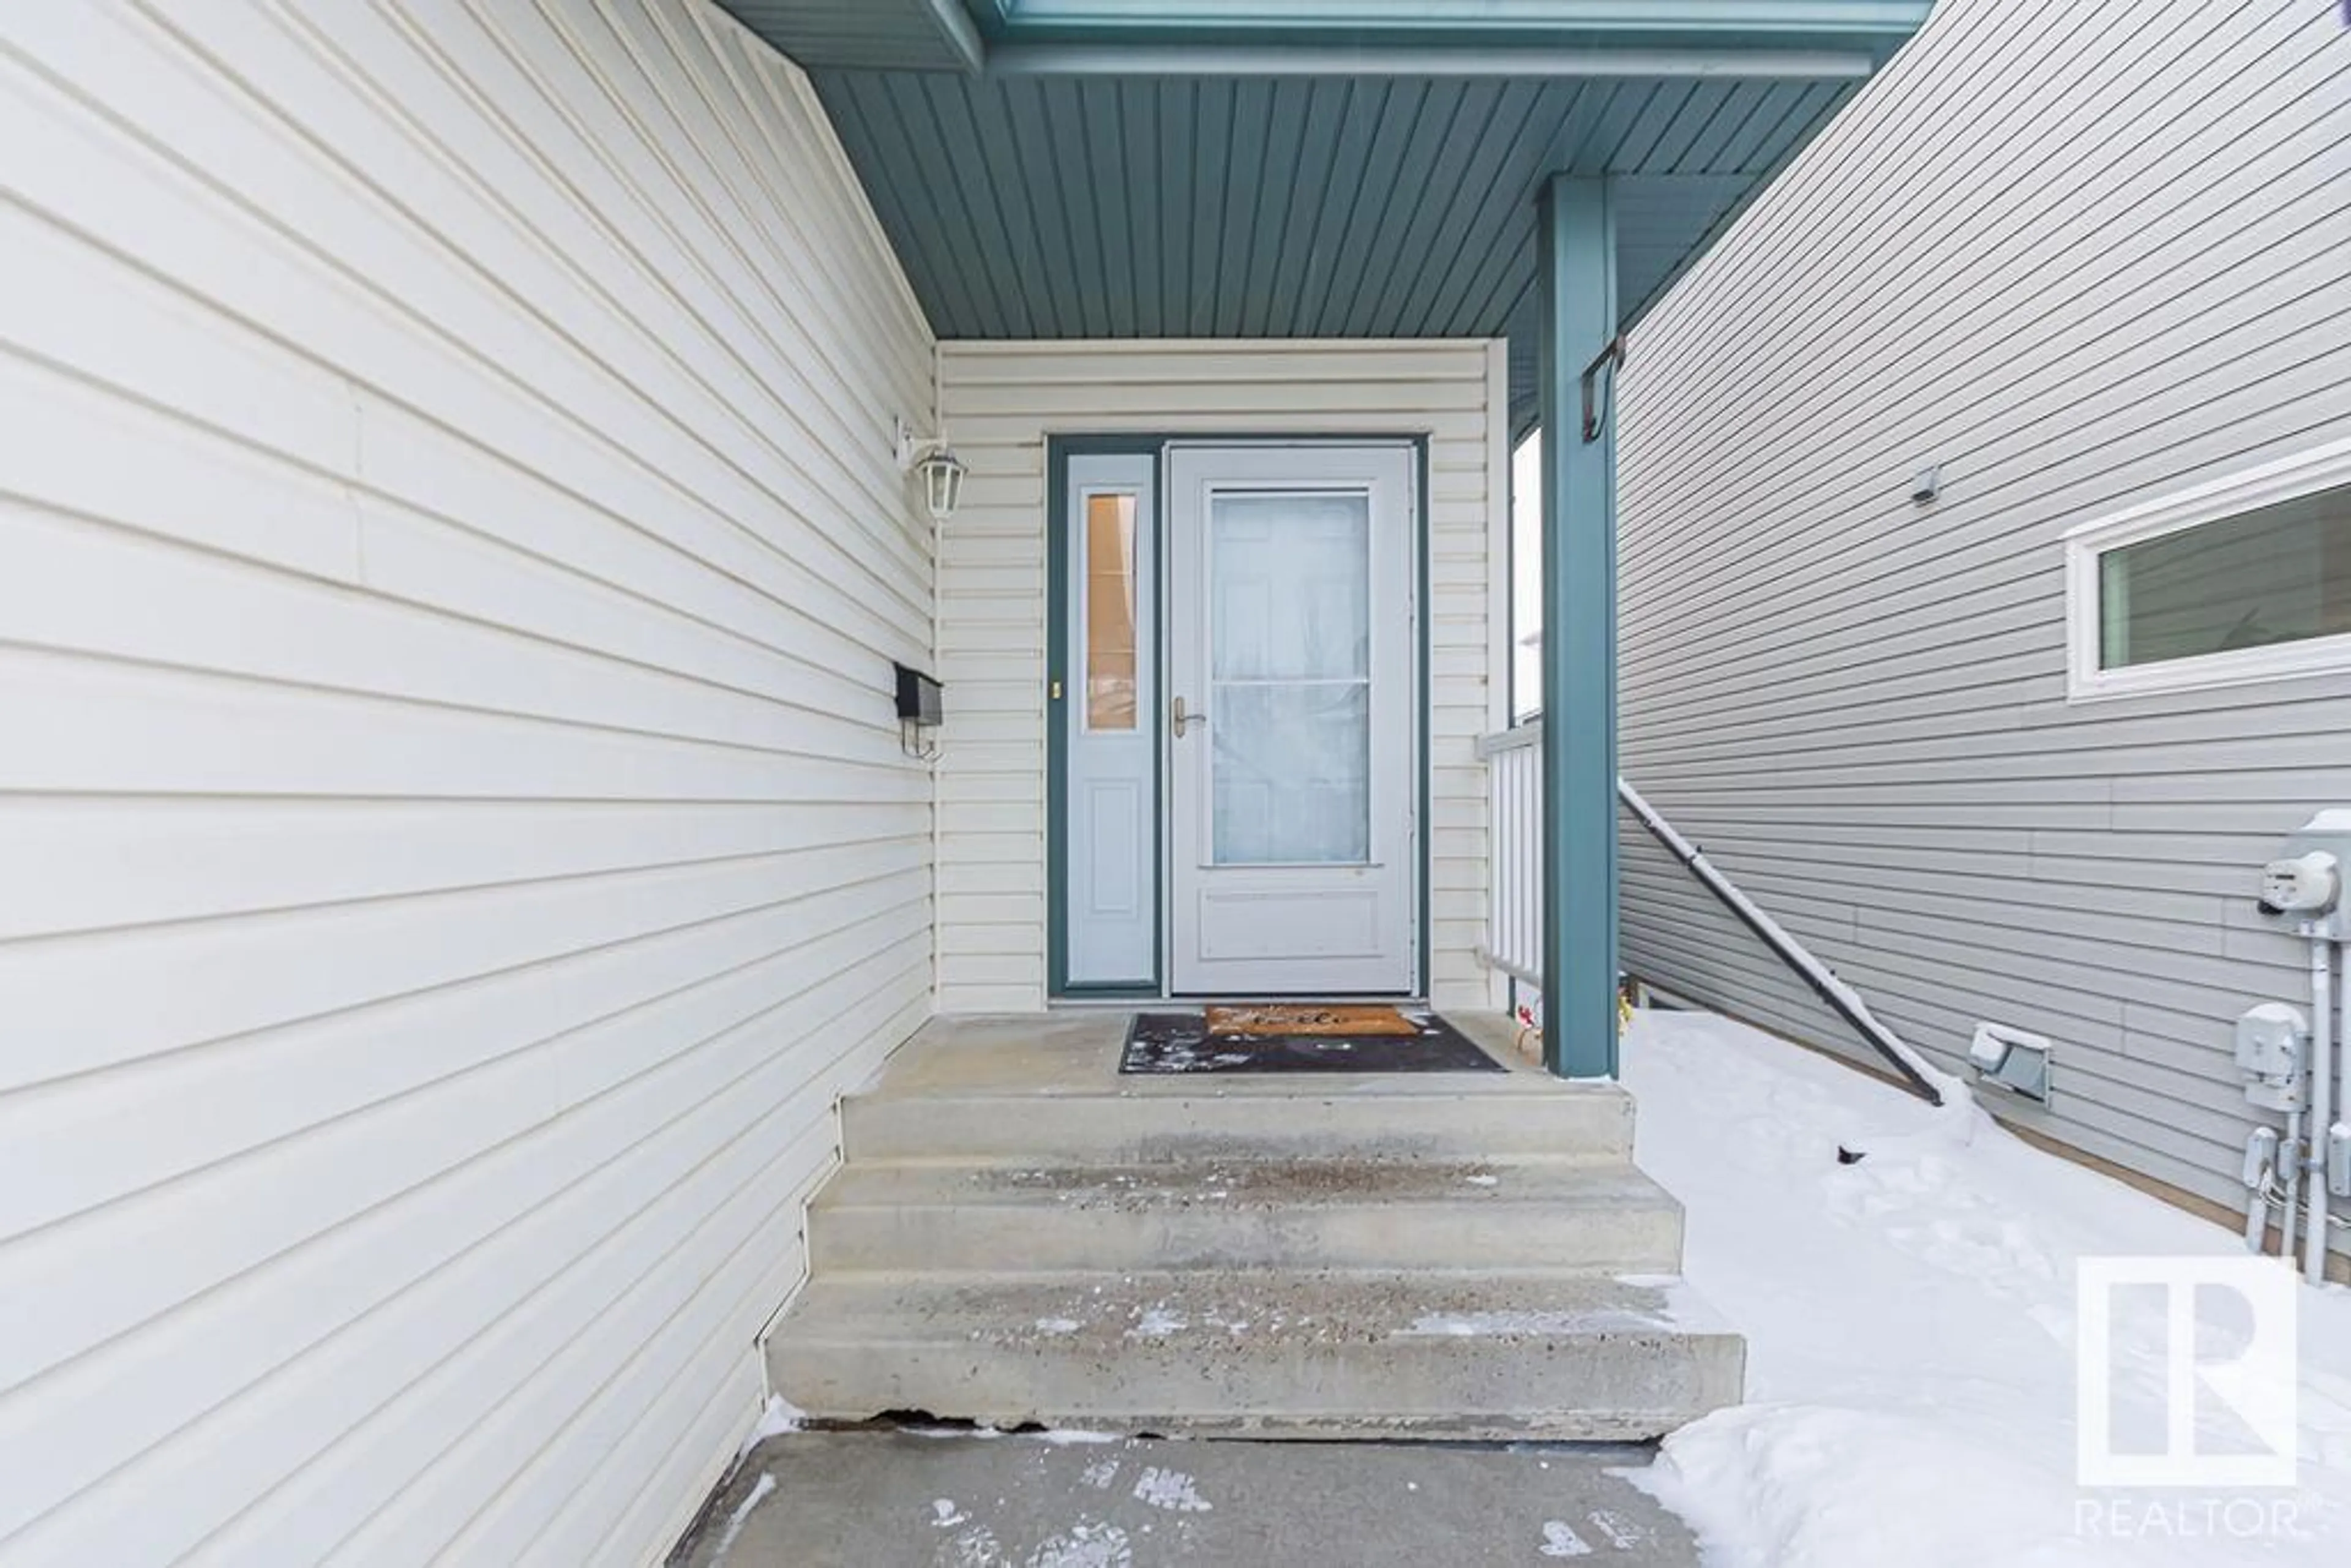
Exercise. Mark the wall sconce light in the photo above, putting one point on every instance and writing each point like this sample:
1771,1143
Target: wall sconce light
941,470
943,474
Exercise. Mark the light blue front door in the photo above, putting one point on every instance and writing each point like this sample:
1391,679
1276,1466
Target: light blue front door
1111,701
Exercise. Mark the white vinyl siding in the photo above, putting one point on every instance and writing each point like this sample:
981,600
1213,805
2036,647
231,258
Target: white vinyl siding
1002,400
2083,256
457,841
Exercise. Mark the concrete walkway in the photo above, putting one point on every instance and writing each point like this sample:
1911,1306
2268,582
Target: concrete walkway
906,1500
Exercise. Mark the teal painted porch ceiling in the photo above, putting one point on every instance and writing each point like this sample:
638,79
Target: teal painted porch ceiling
1324,206
1306,168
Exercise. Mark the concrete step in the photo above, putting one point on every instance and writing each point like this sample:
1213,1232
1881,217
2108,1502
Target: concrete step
1492,1216
1279,1119
1264,1352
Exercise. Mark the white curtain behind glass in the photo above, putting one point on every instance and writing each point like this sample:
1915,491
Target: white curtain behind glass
1290,677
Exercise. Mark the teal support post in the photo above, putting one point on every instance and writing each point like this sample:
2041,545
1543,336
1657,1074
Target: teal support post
1577,275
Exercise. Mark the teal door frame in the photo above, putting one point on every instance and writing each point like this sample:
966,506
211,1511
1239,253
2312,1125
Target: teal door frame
1059,450
1576,384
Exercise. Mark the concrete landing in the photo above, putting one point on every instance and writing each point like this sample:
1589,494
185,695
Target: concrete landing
863,1499
1020,1235
990,1090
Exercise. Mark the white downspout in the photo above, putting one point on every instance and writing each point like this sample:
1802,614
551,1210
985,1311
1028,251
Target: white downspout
2315,1072
2292,1197
2257,1201
2292,1153
2323,1047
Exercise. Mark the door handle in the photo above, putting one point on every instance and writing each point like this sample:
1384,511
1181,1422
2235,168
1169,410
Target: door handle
1179,721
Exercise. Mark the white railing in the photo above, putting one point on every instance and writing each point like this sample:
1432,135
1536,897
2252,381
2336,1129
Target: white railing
1514,783
1514,922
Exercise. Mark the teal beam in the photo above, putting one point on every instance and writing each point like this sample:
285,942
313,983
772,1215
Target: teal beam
1875,25
1576,271
961,33
1525,61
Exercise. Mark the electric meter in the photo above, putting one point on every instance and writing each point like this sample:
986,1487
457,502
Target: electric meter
2304,883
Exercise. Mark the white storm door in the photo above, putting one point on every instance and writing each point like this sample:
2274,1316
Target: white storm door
1291,771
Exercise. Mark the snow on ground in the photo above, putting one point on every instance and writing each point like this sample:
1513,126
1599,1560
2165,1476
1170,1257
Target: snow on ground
751,1500
1910,1329
776,1416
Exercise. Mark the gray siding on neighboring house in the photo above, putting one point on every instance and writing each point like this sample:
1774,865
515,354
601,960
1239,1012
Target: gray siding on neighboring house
2080,256
455,840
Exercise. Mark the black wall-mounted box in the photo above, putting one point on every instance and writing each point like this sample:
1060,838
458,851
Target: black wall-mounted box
918,698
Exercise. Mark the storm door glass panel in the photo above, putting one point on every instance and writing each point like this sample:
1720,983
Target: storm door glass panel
1290,708
1109,612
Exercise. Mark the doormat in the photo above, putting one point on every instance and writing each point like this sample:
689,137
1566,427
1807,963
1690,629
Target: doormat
1208,1042
1290,1018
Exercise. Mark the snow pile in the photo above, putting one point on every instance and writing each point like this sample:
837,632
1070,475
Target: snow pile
1910,1330
777,1418
1054,1437
1172,1490
1158,1322
1525,1321
751,1500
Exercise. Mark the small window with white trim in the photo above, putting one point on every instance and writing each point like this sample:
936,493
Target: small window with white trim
2244,579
